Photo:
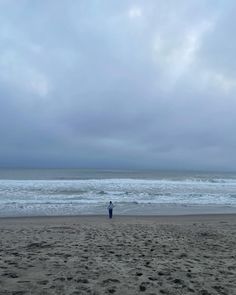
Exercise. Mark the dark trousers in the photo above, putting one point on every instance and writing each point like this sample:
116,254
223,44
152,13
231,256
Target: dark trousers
110,213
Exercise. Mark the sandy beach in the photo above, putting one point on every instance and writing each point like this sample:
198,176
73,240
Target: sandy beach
125,255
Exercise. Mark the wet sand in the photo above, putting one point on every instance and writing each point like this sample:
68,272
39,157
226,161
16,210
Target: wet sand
125,255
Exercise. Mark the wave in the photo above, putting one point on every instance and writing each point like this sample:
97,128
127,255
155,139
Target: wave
100,191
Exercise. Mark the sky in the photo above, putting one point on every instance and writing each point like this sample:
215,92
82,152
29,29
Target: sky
118,84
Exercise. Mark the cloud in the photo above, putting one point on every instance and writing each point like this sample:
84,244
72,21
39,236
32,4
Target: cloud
176,55
121,85
135,12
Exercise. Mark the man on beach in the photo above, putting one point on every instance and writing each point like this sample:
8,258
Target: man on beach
110,209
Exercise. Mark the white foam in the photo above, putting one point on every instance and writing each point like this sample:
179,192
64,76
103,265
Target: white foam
23,195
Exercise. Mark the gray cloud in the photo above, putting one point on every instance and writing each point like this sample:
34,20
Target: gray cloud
124,84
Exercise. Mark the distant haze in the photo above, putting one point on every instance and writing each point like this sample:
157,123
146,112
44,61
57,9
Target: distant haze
118,84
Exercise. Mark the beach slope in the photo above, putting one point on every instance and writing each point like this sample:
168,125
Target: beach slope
125,255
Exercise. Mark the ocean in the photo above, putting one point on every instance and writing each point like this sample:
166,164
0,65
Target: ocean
50,192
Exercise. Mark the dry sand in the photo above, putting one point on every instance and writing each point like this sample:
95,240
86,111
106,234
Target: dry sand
126,255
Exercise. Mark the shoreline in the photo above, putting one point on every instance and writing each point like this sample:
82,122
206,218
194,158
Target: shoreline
120,210
123,216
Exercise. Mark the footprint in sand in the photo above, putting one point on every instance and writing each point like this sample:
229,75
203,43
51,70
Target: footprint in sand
43,282
143,286
108,281
10,275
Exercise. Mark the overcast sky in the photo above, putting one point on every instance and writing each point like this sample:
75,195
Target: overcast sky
118,84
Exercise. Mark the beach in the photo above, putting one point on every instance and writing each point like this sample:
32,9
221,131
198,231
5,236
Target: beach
191,254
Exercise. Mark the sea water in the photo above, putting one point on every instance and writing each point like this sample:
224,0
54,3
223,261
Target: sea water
32,192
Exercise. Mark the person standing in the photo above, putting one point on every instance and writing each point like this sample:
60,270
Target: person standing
110,209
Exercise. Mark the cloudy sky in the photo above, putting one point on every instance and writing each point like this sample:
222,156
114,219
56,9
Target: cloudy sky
118,84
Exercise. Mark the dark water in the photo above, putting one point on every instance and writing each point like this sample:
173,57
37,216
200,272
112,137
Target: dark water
73,174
